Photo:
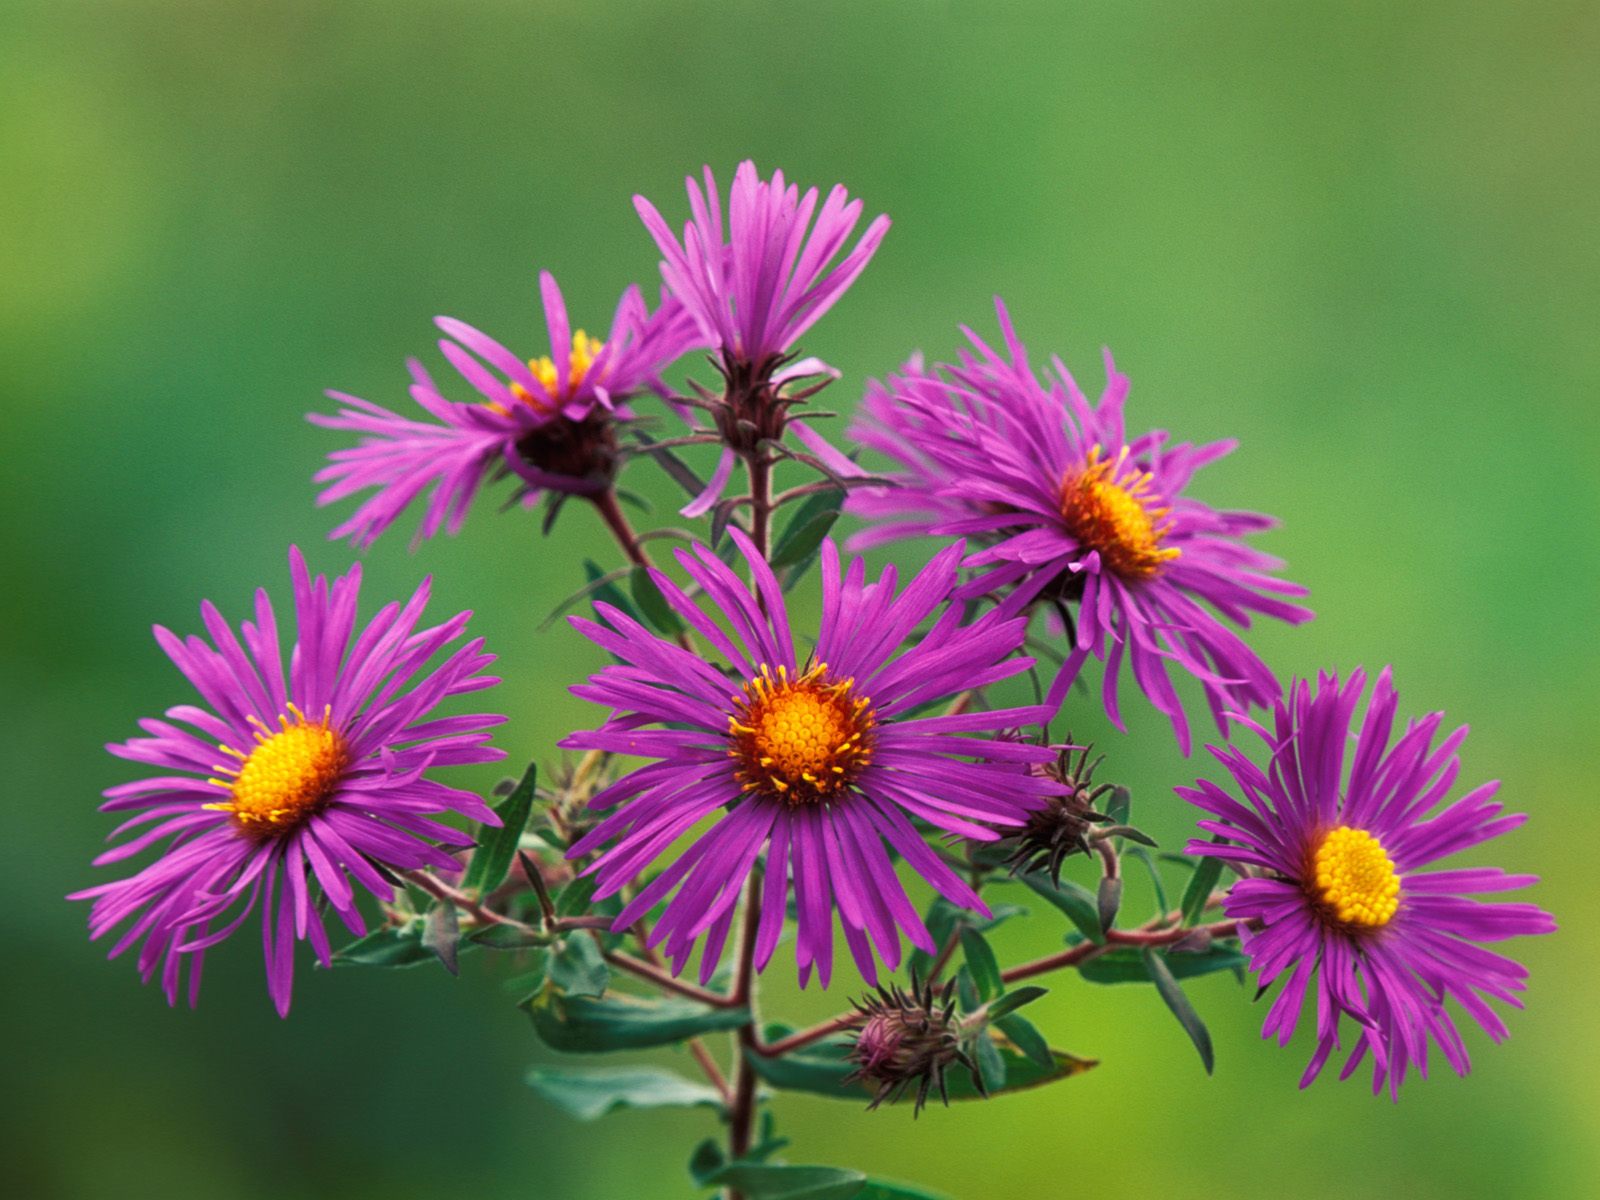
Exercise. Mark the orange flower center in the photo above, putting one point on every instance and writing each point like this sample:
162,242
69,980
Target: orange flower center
1355,879
585,350
285,777
801,739
1108,507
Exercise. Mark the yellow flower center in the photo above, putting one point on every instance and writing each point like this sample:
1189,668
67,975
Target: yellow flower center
1109,507
1355,879
585,350
802,739
286,776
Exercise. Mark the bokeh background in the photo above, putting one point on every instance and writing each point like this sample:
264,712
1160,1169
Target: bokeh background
1359,237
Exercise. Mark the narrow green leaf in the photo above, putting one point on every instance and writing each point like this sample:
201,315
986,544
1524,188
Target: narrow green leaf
991,1067
885,1189
1163,905
498,846
590,1025
1198,891
1073,899
943,918
388,947
769,1181
1125,964
577,968
679,471
1155,962
601,585
806,529
441,934
705,1162
966,990
981,960
1120,806
653,604
507,937
1012,1001
1026,1038
573,900
595,1092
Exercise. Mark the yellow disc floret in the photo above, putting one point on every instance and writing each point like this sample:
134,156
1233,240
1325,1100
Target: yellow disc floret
800,739
585,350
285,777
1109,507
1355,879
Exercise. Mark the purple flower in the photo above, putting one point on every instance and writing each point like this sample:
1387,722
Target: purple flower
756,287
1335,886
1069,510
287,786
549,421
821,761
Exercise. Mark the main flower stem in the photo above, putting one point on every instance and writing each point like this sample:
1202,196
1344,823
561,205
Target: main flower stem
742,1112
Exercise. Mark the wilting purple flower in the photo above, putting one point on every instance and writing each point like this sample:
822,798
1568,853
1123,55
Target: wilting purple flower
1069,510
287,786
755,287
819,761
1336,887
549,421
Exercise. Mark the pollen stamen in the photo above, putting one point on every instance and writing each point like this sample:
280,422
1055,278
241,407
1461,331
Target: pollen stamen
1109,506
1355,879
801,739
286,777
585,350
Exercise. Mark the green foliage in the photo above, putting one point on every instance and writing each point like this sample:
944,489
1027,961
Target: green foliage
589,1093
1126,964
497,846
804,533
943,918
657,612
1161,975
575,965
595,1025
391,946
1076,901
1206,873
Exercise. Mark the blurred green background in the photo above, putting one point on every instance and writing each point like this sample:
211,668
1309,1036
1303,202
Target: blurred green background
1359,237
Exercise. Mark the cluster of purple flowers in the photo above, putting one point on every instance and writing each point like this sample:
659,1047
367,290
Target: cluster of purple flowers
803,774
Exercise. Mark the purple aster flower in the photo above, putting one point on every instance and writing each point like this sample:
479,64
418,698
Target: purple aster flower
549,421
1068,509
754,288
820,762
1335,885
290,786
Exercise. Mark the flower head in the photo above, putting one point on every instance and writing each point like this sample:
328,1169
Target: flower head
759,284
905,1039
291,784
1335,887
820,763
1069,511
550,421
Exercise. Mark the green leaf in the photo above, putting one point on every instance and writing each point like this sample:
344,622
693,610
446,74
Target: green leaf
769,1181
943,918
991,1067
806,529
507,937
1012,1001
1163,906
1198,891
590,1025
387,947
1022,1071
1073,899
1155,962
679,471
653,604
596,1092
601,585
573,900
981,960
885,1189
441,934
498,846
1026,1038
1120,806
576,967
1125,964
